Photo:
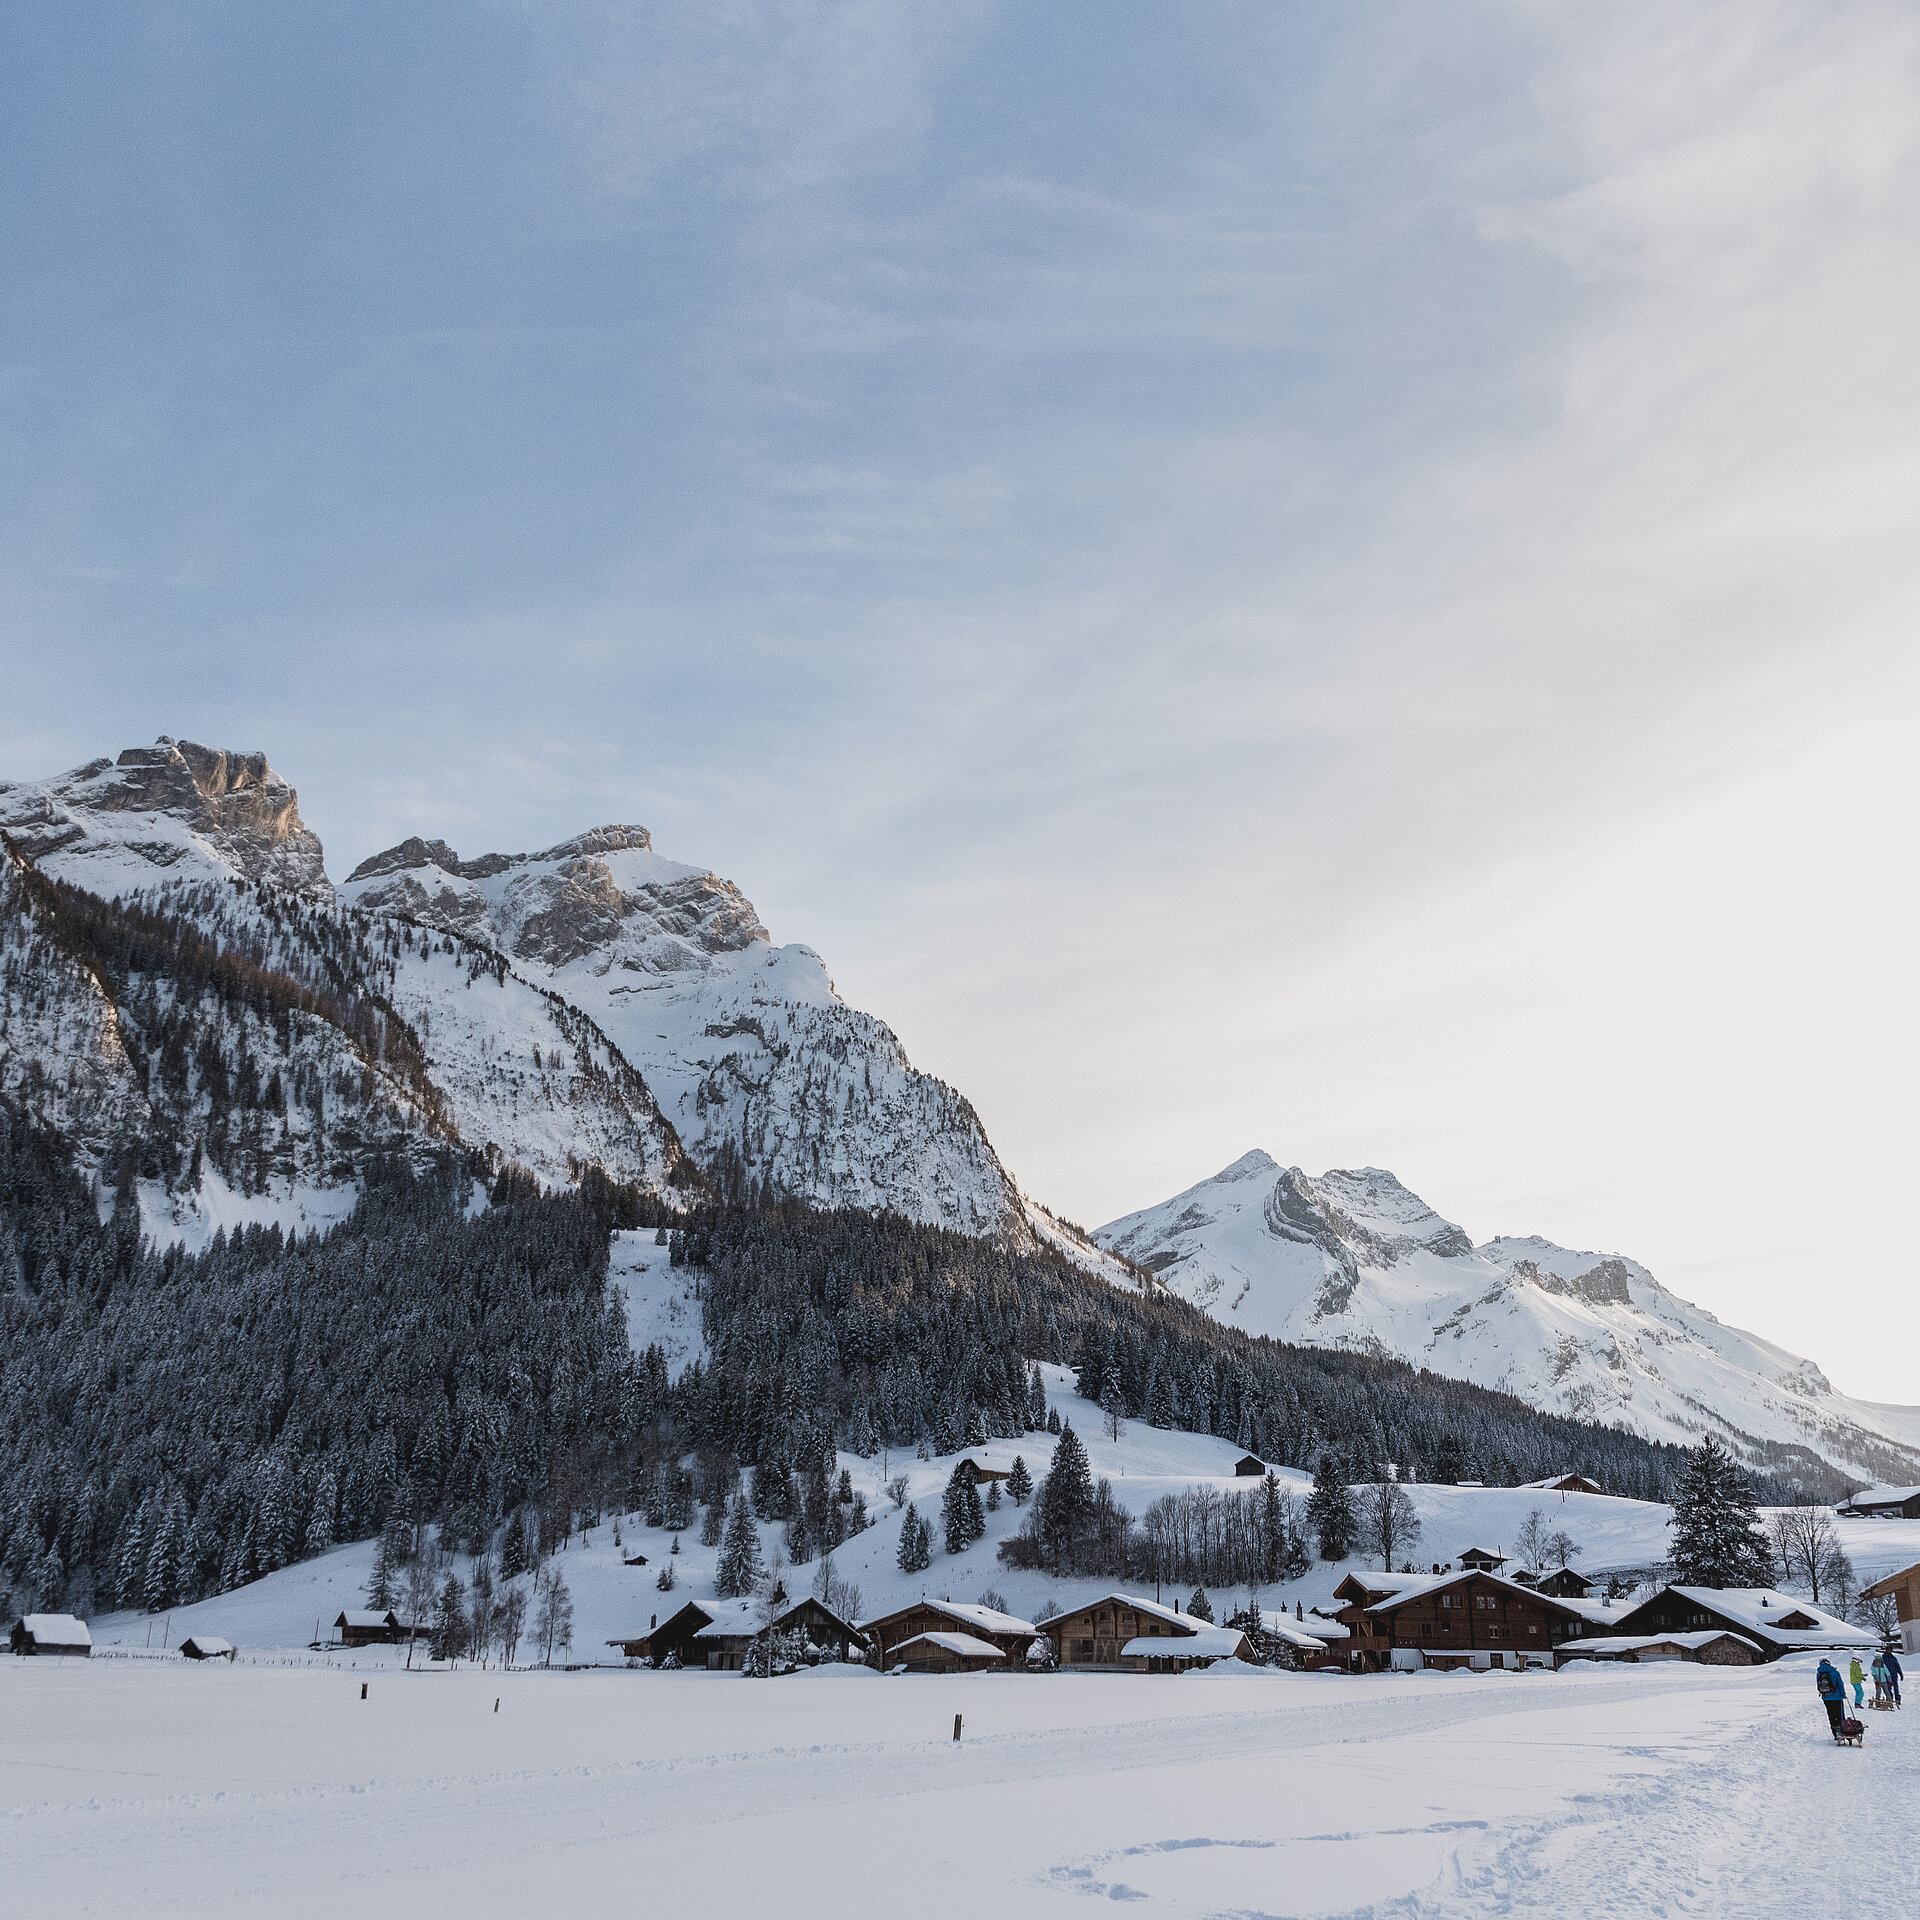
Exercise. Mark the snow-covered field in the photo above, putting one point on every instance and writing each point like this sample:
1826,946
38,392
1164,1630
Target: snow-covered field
138,1787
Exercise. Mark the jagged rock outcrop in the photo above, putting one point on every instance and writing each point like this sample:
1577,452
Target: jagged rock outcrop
1353,1259
175,810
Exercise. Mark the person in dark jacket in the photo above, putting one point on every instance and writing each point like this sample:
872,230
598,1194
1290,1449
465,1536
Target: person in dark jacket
1833,1693
1892,1660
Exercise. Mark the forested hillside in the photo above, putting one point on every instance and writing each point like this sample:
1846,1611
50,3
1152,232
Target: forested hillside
172,1424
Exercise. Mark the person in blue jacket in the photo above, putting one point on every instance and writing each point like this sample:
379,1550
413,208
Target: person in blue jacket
1833,1693
1892,1660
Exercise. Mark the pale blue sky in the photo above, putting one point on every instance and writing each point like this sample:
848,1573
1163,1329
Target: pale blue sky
1332,578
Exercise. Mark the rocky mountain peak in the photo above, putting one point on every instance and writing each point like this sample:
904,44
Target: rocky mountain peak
167,811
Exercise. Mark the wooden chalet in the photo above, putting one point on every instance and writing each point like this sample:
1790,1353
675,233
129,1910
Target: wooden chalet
890,1631
51,1633
1122,1633
1711,1648
1904,1590
1469,1619
1248,1468
367,1627
947,1653
1772,1622
1882,1503
208,1646
1564,1584
1479,1560
1562,1483
671,1635
719,1634
979,1474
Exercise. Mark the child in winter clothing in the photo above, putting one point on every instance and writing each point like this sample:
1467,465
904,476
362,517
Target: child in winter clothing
1833,1694
1856,1676
1893,1674
1879,1672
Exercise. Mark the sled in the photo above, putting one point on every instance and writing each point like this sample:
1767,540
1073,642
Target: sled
1881,1706
1849,1733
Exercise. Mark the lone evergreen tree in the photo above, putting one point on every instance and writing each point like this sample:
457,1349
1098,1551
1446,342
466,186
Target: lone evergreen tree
1717,1539
916,1543
383,1581
1019,1481
739,1565
1200,1607
1330,1511
960,1516
1066,1501
449,1639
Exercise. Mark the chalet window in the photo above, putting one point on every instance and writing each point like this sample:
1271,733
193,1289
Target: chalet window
1426,1627
1533,1630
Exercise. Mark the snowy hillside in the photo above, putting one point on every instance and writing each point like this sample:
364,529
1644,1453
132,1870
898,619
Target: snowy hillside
237,1041
1354,1260
612,1598
756,1060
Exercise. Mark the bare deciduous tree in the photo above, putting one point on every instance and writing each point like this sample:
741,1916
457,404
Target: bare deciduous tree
1807,1545
1387,1520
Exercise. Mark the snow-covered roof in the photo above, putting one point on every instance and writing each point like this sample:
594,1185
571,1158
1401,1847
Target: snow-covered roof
1633,1642
1763,1610
1881,1497
967,1613
1210,1643
1307,1634
364,1617
1186,1622
1552,1483
963,1644
1407,1587
730,1619
207,1643
57,1629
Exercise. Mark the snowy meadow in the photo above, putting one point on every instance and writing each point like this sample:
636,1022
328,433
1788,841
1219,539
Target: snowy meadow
138,1787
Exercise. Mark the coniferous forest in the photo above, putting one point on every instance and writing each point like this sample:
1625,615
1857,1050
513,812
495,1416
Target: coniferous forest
174,1424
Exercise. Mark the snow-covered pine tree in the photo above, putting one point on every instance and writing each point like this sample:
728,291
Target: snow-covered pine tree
449,1638
916,1542
960,1516
1200,1607
1330,1510
1019,1481
1717,1537
739,1563
1064,1509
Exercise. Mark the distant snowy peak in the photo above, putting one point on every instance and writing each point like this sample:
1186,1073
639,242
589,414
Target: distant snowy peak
172,811
1354,1259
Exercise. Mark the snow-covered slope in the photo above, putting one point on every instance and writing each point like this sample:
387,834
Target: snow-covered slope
236,1042
765,1072
1352,1259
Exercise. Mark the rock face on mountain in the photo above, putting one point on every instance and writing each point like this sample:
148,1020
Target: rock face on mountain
764,1071
174,810
1354,1260
234,1053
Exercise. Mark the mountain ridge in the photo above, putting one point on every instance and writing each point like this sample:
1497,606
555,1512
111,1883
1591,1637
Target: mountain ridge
1354,1259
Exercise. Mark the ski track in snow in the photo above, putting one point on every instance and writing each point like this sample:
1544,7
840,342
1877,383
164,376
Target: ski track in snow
146,1788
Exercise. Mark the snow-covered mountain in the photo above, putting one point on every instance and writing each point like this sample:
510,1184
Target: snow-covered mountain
236,1036
1353,1259
761,1066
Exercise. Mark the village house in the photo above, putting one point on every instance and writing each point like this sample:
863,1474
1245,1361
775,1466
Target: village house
718,1634
1561,1483
1711,1647
1316,1642
363,1627
1904,1590
889,1631
1882,1503
1479,1560
208,1646
55,1633
946,1653
1468,1619
1773,1623
980,1475
1564,1584
1248,1468
1122,1633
